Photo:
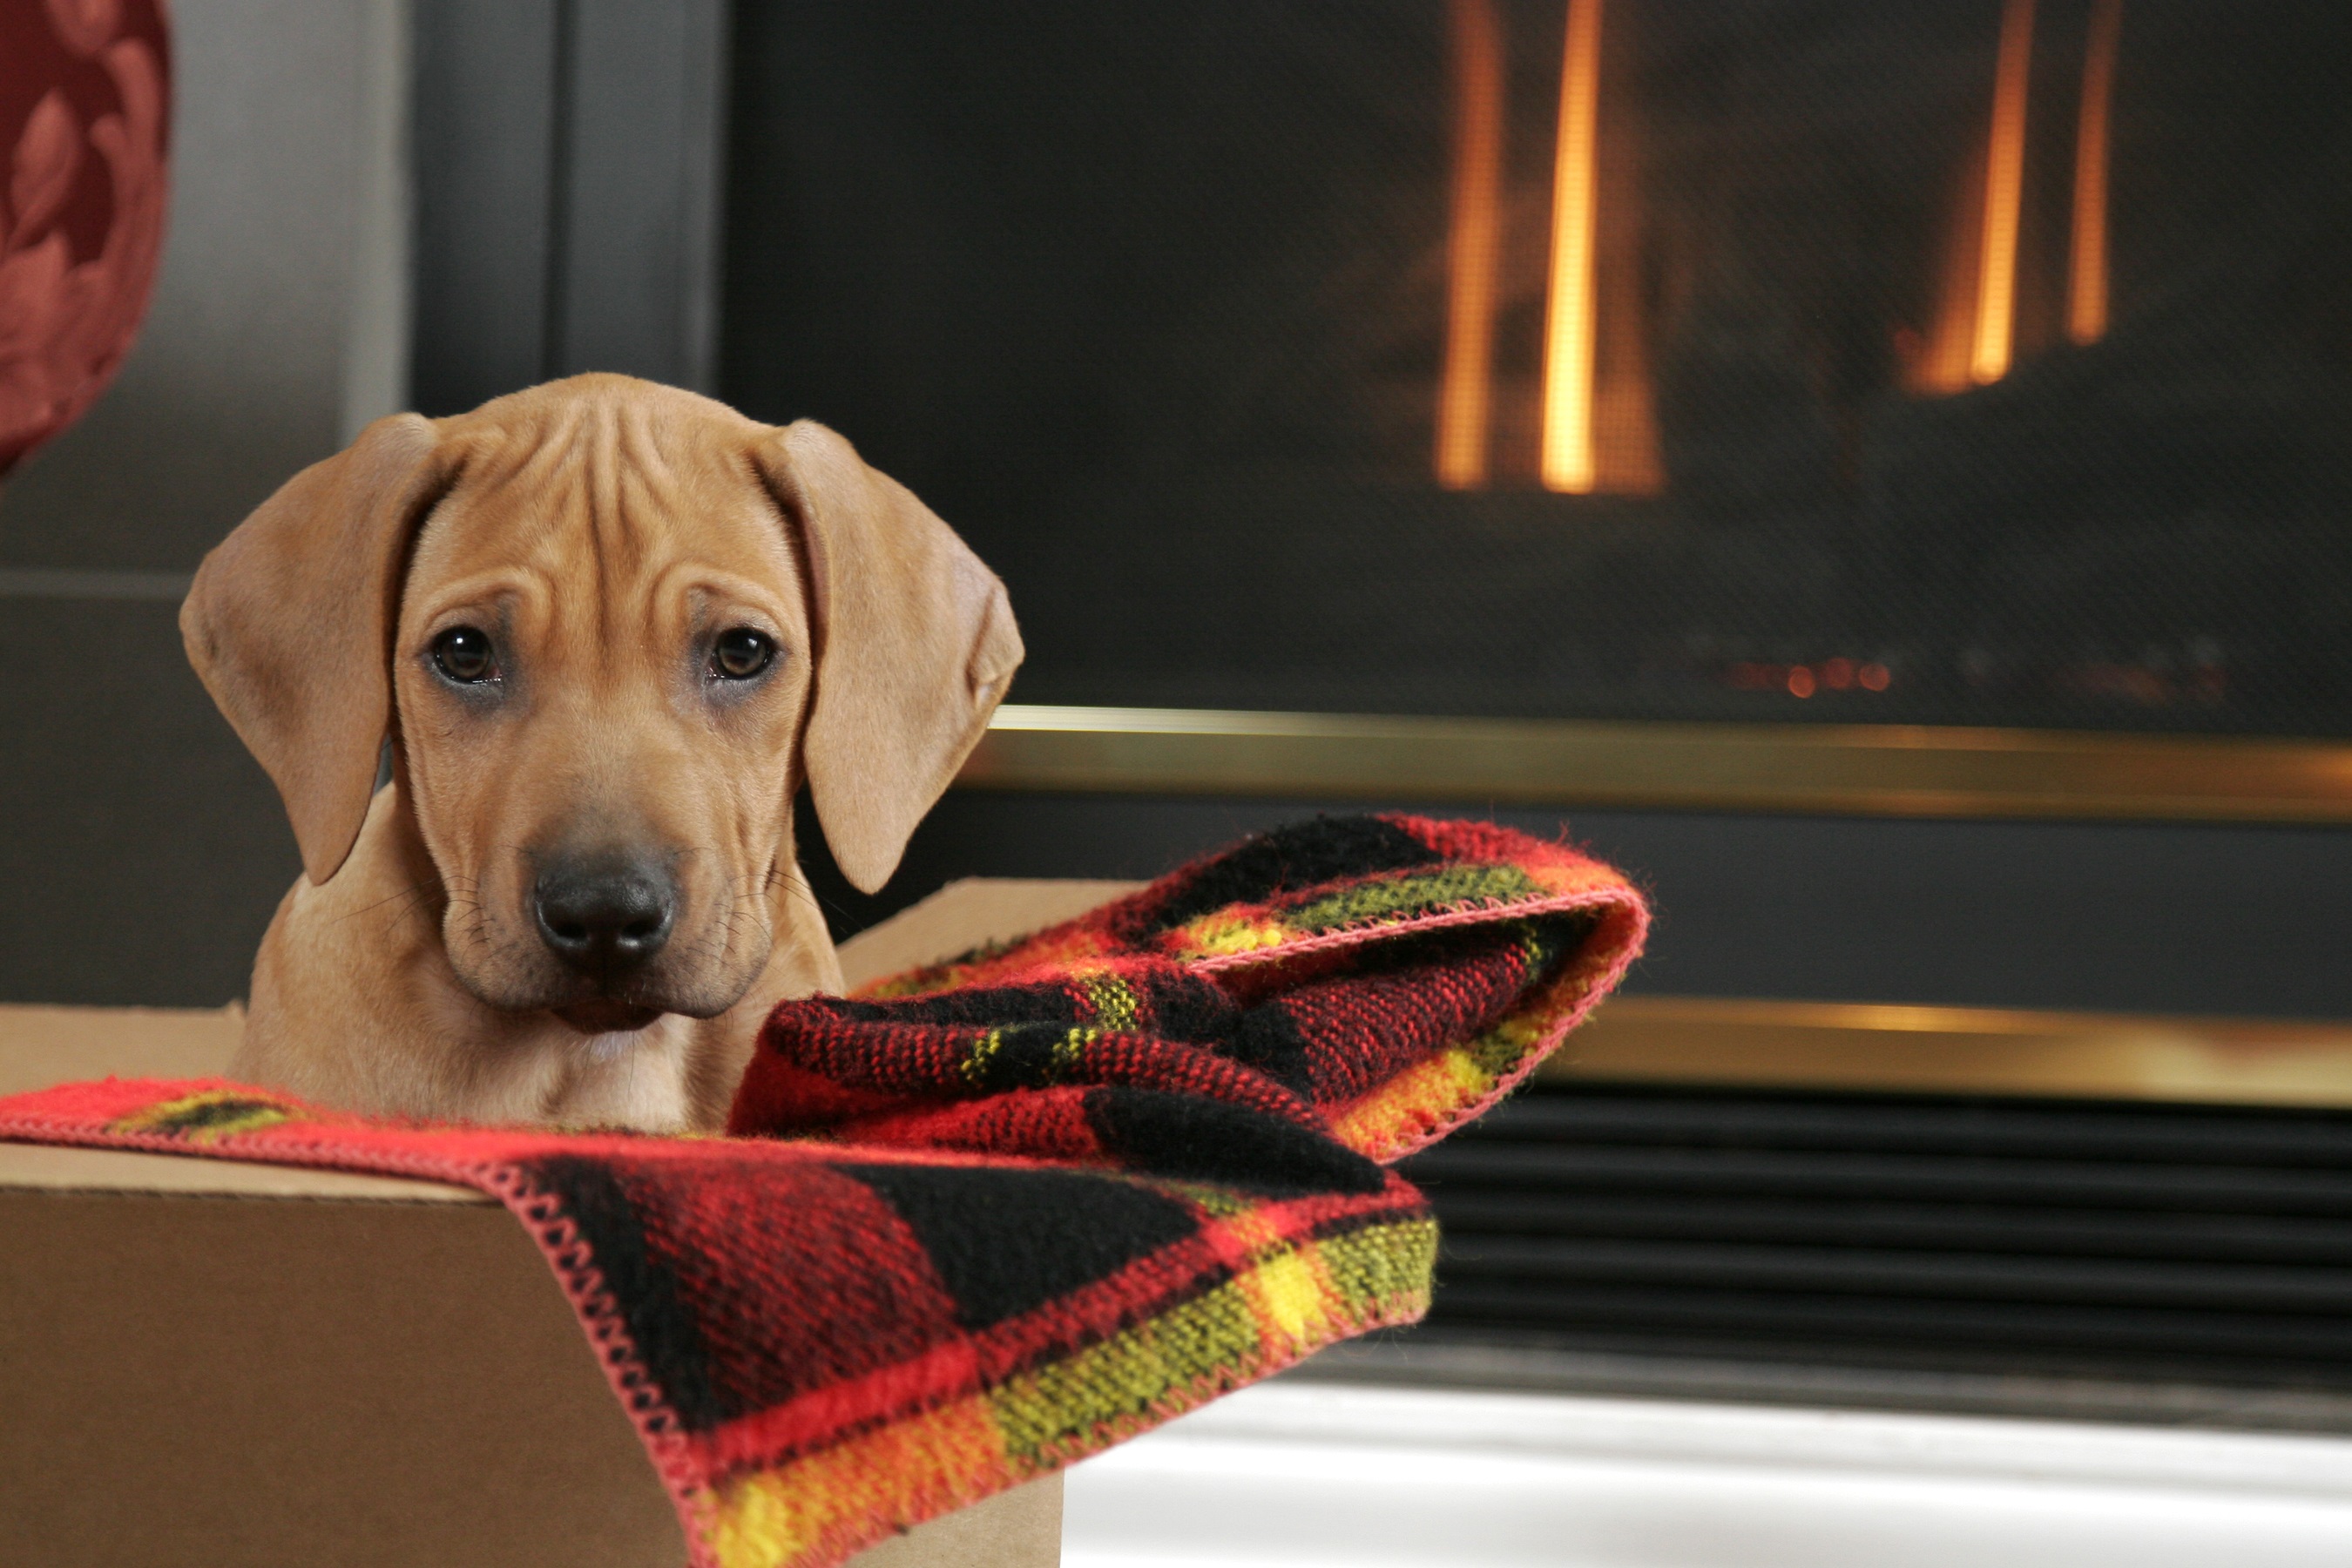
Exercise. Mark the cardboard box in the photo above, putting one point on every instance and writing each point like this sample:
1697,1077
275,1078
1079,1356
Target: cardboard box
232,1366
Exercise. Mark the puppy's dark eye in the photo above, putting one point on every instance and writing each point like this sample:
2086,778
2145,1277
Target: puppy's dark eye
740,653
464,653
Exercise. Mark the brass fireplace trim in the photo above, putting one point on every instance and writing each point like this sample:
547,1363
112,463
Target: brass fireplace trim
1699,1041
1880,769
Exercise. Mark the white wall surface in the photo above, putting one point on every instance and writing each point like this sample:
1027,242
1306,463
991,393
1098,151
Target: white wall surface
1293,1475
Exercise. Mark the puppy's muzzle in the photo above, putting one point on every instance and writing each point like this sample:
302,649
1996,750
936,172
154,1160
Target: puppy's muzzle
606,917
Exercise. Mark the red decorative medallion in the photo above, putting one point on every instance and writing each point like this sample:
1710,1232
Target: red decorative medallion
85,115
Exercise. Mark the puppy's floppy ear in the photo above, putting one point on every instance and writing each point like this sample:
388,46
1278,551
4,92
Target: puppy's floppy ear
291,621
915,645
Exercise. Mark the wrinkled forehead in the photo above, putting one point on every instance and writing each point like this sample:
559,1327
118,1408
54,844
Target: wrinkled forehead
604,501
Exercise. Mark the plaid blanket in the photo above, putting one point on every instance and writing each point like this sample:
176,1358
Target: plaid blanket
991,1217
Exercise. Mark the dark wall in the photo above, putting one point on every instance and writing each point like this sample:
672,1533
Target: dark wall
567,157
141,850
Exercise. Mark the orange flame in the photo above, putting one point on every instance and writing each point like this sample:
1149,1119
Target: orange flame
1473,246
1567,460
1942,365
2004,191
1974,333
2086,261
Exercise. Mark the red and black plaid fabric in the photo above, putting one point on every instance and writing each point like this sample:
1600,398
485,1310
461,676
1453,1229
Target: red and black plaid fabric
996,1215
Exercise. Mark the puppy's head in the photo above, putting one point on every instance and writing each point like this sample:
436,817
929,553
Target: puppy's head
610,628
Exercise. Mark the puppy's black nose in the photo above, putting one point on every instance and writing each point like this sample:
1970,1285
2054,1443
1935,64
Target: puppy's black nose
607,916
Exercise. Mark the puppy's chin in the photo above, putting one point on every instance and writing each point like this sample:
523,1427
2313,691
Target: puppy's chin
606,1017
552,992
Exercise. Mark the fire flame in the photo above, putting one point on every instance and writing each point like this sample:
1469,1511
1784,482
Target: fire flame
1599,427
2086,261
1472,247
1567,461
2004,190
1974,334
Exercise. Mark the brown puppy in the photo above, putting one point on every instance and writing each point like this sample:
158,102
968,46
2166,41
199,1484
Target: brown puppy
609,628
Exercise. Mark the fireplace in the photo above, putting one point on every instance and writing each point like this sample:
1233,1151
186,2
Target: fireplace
1983,362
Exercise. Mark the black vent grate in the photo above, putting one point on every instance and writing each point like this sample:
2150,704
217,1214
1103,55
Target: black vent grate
2018,1235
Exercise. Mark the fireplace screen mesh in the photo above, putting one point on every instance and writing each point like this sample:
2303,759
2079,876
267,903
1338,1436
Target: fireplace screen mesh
1940,361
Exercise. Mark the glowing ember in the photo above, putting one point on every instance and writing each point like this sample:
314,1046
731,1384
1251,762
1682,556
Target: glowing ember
2086,262
1567,463
2004,188
1472,246
1801,680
